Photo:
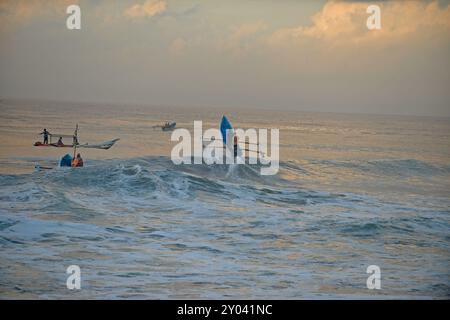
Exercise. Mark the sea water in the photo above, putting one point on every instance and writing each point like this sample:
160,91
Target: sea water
352,191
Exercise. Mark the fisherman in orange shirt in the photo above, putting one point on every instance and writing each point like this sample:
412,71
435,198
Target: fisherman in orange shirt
78,161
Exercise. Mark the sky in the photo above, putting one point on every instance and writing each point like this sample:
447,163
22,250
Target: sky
311,55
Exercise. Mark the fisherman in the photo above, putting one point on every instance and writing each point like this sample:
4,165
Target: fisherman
60,142
45,133
78,161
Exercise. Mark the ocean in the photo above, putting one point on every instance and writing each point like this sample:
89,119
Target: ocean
352,191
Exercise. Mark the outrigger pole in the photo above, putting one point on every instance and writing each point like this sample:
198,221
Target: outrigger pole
75,142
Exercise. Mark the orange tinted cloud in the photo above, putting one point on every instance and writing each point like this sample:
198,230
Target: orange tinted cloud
25,9
345,22
14,13
147,9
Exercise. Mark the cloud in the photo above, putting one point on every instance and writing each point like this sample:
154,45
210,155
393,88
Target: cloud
149,8
177,47
13,12
242,38
345,23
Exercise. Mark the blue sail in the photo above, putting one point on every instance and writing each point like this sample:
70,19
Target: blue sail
224,126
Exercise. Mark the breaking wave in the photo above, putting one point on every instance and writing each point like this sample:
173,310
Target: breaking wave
138,225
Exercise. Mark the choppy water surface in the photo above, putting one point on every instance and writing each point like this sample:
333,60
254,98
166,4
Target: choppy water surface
352,191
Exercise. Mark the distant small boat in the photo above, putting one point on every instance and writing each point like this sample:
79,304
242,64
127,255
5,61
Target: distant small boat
168,126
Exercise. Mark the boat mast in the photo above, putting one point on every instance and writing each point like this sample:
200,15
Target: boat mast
75,142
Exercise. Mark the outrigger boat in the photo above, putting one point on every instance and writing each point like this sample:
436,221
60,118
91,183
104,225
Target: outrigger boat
227,131
103,145
168,126
68,160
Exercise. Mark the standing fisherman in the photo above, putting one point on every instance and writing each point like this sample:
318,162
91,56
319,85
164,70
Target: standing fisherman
46,134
